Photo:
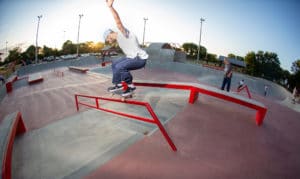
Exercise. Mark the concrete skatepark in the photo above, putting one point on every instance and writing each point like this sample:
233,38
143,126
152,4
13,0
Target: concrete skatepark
214,138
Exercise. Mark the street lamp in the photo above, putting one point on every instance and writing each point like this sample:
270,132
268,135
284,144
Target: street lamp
36,39
145,19
80,15
201,21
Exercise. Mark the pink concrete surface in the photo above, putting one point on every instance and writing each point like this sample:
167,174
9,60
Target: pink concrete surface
215,139
53,99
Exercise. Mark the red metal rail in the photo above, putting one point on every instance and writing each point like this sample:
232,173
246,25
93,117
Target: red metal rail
247,90
261,110
155,119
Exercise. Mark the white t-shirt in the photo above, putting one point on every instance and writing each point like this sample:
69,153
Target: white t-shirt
241,83
130,45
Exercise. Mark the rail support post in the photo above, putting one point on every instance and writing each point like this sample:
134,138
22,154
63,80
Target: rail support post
193,95
260,115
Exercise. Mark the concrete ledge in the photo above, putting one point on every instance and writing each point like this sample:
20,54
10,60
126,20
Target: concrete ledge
35,78
78,69
11,126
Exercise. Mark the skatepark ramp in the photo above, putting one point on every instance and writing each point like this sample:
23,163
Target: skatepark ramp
154,119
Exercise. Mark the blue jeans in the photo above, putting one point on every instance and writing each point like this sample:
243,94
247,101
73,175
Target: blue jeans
121,69
226,81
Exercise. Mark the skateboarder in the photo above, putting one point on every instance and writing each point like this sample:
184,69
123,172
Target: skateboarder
135,56
241,84
266,90
295,92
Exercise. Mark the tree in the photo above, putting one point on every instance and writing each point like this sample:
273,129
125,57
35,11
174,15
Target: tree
29,54
295,77
14,55
190,49
251,64
231,55
264,64
270,66
211,57
69,48
296,66
47,51
203,52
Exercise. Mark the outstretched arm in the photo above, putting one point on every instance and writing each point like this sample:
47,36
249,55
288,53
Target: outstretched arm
116,16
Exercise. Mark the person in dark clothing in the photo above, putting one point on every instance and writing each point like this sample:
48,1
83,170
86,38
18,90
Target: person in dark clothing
227,75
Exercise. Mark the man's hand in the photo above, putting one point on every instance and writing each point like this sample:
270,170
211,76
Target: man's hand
109,3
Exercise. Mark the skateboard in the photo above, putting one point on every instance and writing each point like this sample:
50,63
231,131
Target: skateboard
123,98
124,88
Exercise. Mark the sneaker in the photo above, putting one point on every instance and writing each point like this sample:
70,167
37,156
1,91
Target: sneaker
132,88
114,88
128,92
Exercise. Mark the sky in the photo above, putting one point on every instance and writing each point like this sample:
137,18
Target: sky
230,26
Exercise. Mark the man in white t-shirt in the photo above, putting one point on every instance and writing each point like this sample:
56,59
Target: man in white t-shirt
135,57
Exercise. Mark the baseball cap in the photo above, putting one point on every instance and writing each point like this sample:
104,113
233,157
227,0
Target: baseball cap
106,33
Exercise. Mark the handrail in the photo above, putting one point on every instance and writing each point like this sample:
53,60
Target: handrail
247,90
155,119
195,89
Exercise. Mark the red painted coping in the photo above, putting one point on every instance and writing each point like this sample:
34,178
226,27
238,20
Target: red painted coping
9,83
78,69
196,88
11,126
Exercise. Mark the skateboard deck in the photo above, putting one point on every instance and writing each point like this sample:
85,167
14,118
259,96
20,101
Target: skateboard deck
119,93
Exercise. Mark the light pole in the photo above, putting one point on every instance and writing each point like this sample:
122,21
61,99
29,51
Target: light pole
64,37
6,48
80,15
36,39
201,21
145,19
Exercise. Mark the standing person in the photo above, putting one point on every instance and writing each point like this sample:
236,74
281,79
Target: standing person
227,75
266,90
135,56
2,79
295,92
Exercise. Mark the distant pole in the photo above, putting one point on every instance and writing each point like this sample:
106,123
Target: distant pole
64,38
145,19
6,48
201,21
80,15
36,39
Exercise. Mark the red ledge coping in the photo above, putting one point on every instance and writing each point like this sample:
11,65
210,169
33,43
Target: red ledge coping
13,125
